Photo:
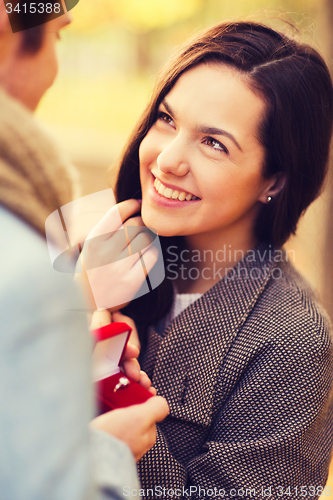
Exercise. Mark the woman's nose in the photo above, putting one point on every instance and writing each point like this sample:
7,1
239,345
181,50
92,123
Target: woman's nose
173,159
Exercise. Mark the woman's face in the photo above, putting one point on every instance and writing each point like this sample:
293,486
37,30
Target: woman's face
201,161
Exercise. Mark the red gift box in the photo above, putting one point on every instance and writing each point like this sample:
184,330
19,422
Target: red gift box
113,388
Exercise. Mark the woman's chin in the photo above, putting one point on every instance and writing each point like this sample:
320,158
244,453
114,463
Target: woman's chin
160,230
158,226
161,224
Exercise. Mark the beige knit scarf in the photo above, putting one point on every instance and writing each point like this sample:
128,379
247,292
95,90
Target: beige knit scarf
34,180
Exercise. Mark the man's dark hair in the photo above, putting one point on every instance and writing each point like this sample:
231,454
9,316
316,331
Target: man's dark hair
32,24
32,39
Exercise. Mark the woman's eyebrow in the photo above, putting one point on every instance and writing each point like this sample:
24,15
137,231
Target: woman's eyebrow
167,107
206,130
217,131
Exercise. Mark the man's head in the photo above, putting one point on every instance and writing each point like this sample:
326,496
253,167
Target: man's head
28,60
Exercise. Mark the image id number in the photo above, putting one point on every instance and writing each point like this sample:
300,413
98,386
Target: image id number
303,491
33,8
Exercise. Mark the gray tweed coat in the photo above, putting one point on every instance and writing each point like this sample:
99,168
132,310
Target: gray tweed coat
247,372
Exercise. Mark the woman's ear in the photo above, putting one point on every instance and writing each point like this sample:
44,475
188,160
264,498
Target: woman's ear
274,186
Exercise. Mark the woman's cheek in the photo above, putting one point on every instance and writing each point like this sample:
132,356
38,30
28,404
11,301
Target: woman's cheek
149,148
145,147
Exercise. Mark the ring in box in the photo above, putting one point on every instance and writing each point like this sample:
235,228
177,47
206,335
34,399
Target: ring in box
113,388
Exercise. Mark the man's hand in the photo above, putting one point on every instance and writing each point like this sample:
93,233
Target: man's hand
135,425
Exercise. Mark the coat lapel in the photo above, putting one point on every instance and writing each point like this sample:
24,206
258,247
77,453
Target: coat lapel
196,342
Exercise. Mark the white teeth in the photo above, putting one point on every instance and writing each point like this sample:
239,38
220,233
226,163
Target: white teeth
172,193
161,189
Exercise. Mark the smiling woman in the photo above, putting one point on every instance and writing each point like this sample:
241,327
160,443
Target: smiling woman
226,178
231,150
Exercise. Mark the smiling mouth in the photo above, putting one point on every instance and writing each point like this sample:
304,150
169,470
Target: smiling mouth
173,194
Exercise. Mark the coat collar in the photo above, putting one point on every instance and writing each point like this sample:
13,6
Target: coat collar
196,342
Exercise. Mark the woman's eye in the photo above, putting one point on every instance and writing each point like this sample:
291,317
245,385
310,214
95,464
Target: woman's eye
215,144
165,118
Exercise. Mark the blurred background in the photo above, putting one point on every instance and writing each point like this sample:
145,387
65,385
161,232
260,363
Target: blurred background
109,58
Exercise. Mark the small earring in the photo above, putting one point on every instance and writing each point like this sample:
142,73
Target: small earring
269,198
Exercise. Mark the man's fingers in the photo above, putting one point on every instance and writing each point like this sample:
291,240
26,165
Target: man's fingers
157,408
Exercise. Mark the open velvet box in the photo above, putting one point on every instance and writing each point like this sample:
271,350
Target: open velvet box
113,388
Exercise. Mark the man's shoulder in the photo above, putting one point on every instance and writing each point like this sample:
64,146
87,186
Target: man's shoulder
26,269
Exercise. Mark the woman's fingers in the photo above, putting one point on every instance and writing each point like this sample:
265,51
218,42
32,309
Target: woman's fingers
114,218
139,239
131,369
127,208
101,250
134,221
134,338
131,351
121,281
117,261
99,319
145,381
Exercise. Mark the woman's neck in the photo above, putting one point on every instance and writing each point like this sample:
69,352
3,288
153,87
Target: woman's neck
207,258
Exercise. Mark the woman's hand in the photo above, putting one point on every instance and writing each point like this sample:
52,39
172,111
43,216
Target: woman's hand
117,255
134,338
129,364
135,425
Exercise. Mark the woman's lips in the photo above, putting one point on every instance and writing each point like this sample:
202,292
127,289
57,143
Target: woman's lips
172,193
175,197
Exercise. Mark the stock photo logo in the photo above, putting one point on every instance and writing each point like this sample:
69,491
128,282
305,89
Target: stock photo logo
24,14
122,261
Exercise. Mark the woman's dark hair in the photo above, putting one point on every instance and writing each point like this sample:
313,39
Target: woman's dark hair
295,83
